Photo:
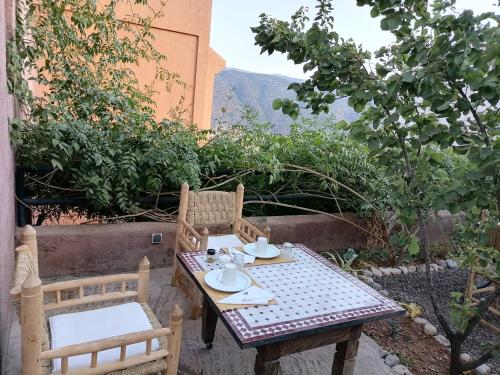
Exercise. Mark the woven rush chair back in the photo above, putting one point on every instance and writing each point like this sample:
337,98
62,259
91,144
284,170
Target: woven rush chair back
26,263
211,208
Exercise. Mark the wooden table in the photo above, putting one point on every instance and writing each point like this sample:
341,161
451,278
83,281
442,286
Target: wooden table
318,304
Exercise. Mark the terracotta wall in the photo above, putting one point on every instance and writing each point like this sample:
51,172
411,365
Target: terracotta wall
108,248
183,35
7,213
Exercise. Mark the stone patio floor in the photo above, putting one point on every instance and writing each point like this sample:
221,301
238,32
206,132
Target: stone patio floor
225,357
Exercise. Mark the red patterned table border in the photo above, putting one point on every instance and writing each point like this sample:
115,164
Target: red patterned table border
247,334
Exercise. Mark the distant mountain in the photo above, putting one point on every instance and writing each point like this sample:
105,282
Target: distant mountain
234,89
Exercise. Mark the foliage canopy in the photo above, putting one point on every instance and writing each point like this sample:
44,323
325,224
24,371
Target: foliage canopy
435,88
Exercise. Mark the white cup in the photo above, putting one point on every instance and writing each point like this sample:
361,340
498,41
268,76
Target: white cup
261,246
228,276
224,259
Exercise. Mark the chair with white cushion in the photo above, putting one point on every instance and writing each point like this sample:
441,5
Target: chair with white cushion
202,209
94,337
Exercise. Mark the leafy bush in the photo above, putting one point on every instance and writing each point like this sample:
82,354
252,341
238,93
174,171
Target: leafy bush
258,156
91,121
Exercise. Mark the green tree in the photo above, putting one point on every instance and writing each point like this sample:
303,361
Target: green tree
91,120
436,87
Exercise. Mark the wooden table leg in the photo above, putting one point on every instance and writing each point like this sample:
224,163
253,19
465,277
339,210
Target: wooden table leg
345,354
208,324
267,361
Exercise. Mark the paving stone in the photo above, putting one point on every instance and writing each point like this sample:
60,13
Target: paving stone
401,370
442,340
430,330
452,264
391,360
411,269
421,321
484,369
376,272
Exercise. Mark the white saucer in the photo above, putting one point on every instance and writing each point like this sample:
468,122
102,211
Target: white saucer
272,251
212,279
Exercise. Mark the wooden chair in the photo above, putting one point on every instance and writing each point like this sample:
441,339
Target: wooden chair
490,287
39,356
488,275
204,208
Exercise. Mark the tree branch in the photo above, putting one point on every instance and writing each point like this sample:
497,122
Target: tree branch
428,277
480,124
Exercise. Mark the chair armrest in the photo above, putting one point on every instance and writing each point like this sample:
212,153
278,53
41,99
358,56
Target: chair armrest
80,284
94,347
188,238
248,231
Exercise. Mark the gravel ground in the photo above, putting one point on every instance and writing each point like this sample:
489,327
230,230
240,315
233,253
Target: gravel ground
412,288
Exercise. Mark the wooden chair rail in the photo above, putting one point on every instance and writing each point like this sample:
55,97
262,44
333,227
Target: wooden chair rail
85,300
90,281
120,341
80,284
106,368
247,231
188,237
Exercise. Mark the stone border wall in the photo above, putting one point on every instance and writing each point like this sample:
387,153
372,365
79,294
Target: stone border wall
108,248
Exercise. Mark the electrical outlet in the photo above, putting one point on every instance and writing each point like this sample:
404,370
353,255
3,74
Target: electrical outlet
156,238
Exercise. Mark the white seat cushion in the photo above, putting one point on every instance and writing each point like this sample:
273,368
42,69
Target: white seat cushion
91,325
218,242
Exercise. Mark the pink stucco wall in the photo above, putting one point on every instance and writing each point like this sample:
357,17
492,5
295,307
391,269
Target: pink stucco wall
6,184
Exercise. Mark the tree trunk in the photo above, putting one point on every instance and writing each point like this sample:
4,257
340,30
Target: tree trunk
455,365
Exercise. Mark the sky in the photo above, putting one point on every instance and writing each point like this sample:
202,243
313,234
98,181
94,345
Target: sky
232,39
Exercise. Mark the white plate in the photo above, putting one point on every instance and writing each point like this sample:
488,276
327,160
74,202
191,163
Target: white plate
272,251
212,279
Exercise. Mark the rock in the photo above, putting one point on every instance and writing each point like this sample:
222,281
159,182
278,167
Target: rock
385,271
452,264
401,370
367,273
411,269
391,360
383,353
403,269
442,263
434,267
465,358
365,279
376,272
442,340
430,330
395,271
421,321
421,268
376,286
482,370
385,293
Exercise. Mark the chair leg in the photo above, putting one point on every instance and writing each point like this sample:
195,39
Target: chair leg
175,274
196,306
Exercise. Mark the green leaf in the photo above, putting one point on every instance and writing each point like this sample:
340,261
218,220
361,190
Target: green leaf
413,246
277,104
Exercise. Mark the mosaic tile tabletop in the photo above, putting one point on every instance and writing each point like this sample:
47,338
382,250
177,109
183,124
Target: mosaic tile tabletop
312,293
